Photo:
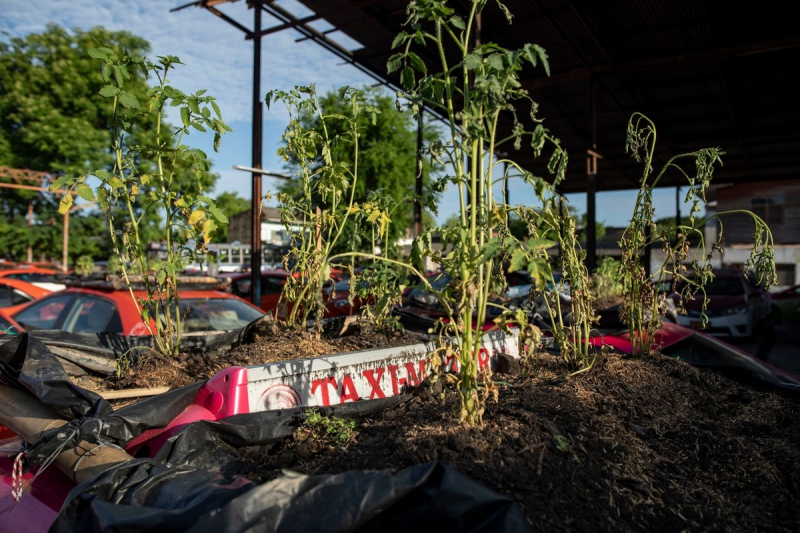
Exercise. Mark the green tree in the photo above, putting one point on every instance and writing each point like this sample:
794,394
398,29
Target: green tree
231,204
53,119
387,154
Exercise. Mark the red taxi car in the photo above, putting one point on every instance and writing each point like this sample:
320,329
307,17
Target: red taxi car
98,310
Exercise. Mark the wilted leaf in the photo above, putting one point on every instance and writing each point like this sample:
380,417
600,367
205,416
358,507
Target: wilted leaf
65,204
196,217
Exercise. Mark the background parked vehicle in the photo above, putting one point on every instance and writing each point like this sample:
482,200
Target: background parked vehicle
44,278
15,292
787,304
109,310
272,283
734,306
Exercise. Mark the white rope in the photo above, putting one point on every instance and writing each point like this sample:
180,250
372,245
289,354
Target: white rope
16,477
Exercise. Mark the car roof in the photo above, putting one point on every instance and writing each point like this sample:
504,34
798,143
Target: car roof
30,288
32,270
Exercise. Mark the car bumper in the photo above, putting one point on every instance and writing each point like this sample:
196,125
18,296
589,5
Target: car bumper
720,326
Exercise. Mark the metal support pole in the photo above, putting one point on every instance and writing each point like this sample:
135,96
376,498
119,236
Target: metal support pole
506,188
418,181
258,125
30,225
677,210
591,185
65,243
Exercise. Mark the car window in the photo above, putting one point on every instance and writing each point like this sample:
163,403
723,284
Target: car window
32,277
11,296
241,287
216,314
45,313
90,314
271,285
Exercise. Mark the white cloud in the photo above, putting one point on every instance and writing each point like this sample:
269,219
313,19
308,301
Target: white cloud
216,55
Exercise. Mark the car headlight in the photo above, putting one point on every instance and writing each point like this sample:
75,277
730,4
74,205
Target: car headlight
340,303
738,310
425,299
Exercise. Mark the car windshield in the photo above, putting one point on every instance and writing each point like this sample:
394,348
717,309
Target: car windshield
216,314
725,287
720,286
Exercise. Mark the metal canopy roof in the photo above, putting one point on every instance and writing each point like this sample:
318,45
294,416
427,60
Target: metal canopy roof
708,73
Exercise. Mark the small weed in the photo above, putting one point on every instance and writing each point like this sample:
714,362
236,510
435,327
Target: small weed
562,443
326,430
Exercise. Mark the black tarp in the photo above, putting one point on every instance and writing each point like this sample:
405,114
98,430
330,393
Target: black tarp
191,482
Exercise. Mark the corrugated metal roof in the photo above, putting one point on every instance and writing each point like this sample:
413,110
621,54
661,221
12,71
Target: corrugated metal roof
708,72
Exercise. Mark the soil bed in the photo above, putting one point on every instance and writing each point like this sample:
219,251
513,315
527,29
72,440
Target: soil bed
268,343
634,445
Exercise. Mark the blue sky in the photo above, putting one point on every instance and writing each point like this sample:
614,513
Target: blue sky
219,59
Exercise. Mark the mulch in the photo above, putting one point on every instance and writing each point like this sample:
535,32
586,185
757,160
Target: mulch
635,444
646,444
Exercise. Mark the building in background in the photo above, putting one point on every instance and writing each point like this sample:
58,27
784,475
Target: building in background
778,204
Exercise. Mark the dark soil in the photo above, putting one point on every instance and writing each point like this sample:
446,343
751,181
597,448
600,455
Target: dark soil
634,445
267,343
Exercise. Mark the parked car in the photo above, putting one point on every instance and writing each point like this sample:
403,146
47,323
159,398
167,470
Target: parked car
787,304
272,283
702,350
41,277
16,292
735,306
98,310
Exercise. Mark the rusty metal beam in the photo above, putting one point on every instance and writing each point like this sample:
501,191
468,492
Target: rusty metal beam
316,16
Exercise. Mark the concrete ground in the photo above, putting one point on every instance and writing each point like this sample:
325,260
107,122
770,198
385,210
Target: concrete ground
780,343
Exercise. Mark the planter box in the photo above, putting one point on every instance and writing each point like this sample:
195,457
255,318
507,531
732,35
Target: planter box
335,379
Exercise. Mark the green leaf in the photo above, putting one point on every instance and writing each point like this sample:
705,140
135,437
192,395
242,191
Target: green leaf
400,39
193,106
216,109
490,249
100,53
128,100
417,63
109,91
116,183
407,78
102,174
534,51
218,214
537,244
60,182
86,192
519,260
472,61
458,22
496,61
537,140
394,63
185,115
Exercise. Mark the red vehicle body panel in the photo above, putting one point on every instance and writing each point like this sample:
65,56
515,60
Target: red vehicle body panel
668,335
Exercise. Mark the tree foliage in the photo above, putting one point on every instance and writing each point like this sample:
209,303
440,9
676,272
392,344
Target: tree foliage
54,119
387,154
231,204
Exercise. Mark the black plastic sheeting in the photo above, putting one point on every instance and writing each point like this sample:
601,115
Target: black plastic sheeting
192,484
